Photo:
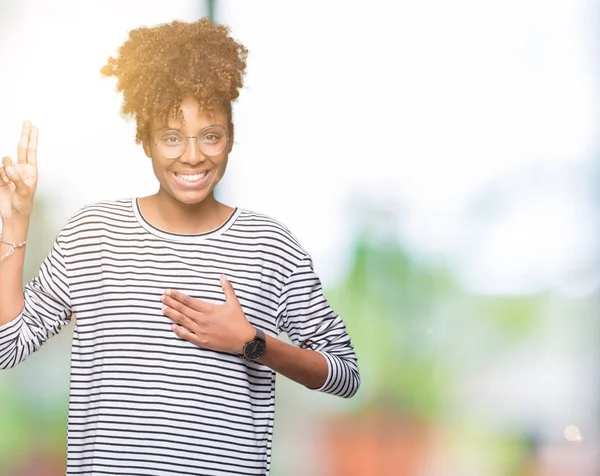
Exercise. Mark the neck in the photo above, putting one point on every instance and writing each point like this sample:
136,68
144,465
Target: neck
169,214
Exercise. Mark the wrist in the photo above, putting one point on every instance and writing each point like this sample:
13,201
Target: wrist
15,229
255,348
246,336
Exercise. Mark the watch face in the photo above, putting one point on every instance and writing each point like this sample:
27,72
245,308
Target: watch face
254,350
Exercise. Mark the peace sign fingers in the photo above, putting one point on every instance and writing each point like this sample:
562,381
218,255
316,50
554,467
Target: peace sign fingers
27,150
33,145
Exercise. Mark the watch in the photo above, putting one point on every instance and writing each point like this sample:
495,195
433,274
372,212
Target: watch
256,348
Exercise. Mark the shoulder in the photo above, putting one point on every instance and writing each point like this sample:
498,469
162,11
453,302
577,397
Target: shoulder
97,213
268,229
122,205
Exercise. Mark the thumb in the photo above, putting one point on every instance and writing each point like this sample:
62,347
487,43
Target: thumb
228,289
15,177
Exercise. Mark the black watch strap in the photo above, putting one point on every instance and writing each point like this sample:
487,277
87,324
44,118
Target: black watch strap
260,335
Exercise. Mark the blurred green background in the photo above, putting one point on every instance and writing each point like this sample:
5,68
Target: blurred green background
446,186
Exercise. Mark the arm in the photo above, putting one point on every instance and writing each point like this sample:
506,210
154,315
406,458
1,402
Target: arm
304,366
311,324
323,358
27,319
46,309
11,270
17,188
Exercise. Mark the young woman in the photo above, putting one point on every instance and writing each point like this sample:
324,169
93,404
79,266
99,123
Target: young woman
178,298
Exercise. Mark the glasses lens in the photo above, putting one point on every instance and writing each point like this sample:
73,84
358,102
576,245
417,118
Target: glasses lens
171,144
212,140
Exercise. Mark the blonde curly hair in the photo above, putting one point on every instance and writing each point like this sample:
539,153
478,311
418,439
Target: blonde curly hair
157,67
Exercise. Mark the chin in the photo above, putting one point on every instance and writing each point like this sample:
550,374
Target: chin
189,198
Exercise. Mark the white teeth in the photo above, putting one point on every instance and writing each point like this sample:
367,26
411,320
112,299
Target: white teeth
191,178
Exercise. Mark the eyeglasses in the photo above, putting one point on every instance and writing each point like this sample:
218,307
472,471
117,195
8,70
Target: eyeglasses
211,141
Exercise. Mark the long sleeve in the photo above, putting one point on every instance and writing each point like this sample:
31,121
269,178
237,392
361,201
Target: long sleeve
310,322
47,309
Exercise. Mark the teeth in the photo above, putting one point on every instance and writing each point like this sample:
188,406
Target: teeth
191,178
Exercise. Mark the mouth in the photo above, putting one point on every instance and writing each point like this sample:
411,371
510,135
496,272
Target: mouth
191,180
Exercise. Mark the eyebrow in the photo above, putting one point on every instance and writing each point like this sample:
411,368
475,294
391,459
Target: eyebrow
167,128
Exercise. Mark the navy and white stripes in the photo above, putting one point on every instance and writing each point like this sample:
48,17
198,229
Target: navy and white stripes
143,401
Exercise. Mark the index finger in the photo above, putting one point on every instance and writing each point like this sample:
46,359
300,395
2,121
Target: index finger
188,301
32,147
24,143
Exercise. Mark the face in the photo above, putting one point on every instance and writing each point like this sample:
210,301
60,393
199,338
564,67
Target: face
192,177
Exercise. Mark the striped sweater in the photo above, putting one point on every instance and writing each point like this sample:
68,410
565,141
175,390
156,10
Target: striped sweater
142,400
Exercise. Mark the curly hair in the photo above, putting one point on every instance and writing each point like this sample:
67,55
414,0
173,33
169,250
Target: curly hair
157,67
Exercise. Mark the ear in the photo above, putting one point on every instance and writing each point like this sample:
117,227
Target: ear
146,145
231,137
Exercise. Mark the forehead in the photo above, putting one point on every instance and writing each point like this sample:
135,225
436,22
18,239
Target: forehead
192,116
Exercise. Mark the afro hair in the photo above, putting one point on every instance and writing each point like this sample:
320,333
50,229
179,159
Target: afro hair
157,67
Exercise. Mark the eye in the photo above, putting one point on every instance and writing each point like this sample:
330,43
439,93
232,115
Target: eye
171,139
211,138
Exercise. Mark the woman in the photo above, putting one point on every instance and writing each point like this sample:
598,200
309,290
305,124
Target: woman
179,298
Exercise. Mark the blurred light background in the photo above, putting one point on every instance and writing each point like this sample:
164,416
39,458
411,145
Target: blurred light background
439,160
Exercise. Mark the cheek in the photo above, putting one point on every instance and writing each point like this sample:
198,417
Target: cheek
161,170
221,168
158,168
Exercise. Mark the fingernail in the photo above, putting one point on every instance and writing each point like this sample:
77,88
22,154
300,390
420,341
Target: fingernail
10,170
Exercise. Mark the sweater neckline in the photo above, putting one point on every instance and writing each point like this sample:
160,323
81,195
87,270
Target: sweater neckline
182,237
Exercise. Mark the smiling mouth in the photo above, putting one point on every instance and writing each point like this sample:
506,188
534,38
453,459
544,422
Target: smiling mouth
189,179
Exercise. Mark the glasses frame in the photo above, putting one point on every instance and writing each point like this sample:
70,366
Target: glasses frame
193,137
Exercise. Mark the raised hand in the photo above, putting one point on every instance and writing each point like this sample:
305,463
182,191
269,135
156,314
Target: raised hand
19,181
221,327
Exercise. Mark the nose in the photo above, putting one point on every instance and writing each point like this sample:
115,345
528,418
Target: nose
192,155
